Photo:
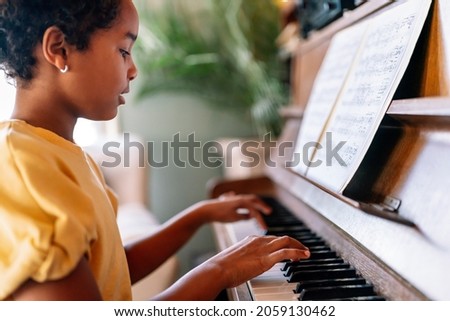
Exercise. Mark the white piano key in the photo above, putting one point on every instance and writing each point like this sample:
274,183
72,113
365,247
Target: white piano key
272,285
277,297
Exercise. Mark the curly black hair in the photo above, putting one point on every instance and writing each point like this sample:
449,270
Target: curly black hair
23,24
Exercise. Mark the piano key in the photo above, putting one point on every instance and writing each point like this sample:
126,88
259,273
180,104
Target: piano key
283,288
293,269
339,292
318,248
323,255
309,262
285,223
322,274
300,234
310,241
303,235
283,230
272,282
330,282
277,297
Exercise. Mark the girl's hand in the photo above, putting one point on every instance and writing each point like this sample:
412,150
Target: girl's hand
231,208
235,265
253,256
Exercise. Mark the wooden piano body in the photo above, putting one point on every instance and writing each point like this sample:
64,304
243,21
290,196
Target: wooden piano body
409,160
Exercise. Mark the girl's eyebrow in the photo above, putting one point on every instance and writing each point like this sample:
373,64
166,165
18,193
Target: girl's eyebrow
131,36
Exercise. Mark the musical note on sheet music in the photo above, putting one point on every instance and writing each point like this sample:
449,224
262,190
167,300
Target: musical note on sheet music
384,53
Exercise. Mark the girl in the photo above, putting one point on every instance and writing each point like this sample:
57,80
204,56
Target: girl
58,235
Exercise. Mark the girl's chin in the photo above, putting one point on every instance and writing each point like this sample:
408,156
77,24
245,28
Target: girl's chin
104,116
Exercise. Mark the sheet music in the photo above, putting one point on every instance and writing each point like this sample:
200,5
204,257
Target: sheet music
386,50
332,74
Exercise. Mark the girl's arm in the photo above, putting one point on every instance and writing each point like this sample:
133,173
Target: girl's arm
148,254
79,285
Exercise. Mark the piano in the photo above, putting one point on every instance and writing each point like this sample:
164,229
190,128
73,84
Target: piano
386,237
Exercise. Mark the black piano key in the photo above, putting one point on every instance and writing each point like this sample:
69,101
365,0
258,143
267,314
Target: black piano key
301,235
283,230
330,282
293,269
318,248
322,274
274,230
284,222
309,262
311,241
323,255
338,292
305,236
300,231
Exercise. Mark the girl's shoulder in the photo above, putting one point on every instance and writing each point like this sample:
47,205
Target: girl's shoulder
17,134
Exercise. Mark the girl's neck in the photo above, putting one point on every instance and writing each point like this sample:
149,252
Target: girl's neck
44,113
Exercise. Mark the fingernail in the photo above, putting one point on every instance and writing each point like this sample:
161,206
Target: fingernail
307,253
243,211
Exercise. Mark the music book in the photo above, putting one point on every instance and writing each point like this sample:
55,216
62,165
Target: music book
352,91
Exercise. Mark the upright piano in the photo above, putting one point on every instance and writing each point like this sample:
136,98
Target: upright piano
389,233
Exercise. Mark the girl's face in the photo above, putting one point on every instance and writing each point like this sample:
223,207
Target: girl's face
99,76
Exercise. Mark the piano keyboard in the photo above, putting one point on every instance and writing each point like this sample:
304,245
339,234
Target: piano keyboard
324,276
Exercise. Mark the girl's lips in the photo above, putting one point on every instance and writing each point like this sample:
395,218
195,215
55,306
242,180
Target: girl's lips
121,100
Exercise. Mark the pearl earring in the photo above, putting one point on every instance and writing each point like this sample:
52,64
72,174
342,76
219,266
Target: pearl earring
66,68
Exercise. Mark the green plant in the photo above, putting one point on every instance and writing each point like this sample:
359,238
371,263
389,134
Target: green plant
222,50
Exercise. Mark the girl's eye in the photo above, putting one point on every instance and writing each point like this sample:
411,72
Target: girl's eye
124,53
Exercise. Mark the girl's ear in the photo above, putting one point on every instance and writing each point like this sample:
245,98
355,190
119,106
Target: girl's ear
55,48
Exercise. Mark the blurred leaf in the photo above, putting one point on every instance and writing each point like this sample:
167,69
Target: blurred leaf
221,50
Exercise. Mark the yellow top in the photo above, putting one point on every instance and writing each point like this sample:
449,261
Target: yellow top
54,208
